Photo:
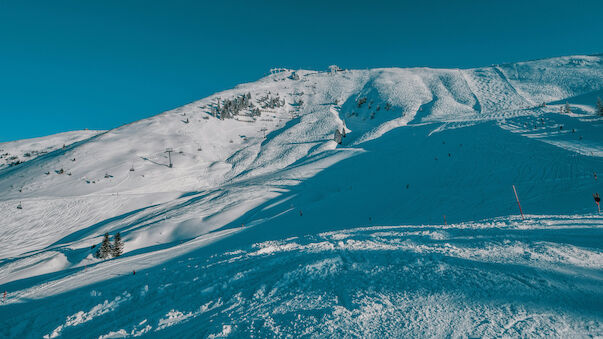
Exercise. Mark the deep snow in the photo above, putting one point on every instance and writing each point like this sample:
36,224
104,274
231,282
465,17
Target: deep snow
265,226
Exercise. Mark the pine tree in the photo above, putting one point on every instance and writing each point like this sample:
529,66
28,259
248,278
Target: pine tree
105,249
337,136
118,246
599,107
567,108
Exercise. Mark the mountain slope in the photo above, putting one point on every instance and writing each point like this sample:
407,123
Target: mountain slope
422,146
17,152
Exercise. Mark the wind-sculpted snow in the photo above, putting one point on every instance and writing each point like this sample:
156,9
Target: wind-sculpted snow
248,226
501,277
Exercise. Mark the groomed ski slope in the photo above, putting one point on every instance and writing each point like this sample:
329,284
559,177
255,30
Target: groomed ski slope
265,226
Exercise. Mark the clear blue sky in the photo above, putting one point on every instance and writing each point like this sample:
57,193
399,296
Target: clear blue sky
67,65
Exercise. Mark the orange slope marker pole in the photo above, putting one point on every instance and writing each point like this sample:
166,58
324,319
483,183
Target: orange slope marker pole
518,204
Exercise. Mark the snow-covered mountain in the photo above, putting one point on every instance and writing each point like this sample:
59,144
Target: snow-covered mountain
17,152
256,222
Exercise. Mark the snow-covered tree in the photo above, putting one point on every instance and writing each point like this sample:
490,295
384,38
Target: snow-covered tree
337,136
567,108
256,112
118,245
228,108
105,249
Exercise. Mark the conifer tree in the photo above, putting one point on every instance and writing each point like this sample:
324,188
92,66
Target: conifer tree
118,246
337,136
105,249
599,107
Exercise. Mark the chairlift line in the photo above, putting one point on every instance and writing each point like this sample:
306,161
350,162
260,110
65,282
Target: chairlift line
169,151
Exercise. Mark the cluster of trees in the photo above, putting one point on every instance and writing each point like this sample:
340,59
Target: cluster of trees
272,102
13,160
339,135
14,163
256,112
228,108
363,100
107,250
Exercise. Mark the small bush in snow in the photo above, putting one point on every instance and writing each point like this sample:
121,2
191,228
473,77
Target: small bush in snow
361,101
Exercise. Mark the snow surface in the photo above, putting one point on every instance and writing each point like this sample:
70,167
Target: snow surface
264,226
27,149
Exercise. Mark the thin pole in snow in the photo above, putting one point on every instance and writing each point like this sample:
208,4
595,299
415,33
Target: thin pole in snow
518,204
444,219
169,152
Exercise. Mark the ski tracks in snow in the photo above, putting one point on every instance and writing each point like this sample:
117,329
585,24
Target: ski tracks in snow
501,277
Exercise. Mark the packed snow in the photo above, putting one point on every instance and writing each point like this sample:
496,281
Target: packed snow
242,216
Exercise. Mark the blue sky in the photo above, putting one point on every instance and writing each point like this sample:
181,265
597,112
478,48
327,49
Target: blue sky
67,65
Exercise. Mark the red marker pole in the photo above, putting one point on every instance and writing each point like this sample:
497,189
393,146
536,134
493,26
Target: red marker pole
445,223
518,204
